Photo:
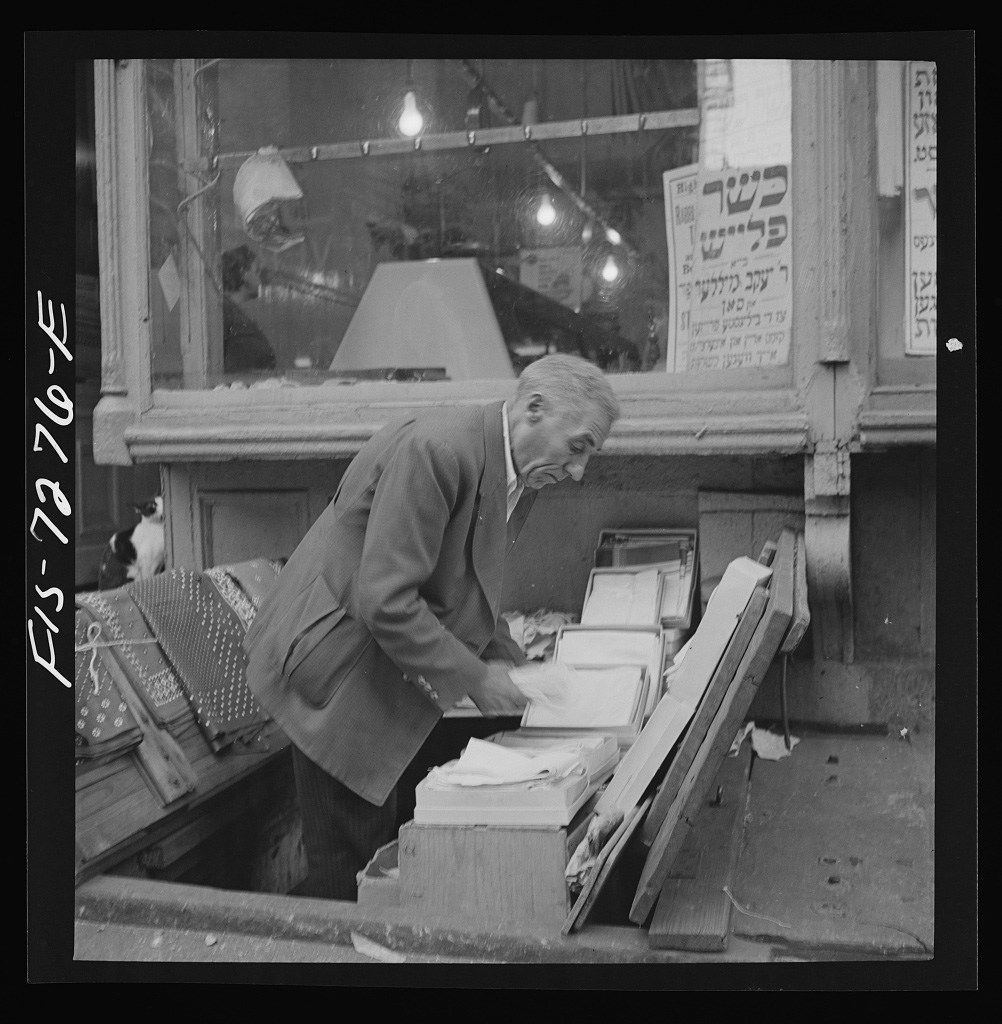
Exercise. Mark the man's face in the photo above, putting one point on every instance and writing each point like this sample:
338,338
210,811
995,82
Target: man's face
550,443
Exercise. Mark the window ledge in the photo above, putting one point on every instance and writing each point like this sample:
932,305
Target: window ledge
173,437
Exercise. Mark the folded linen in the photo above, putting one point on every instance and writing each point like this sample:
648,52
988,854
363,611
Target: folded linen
483,763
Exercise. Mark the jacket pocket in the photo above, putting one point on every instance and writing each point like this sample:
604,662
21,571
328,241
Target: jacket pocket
331,661
327,646
318,614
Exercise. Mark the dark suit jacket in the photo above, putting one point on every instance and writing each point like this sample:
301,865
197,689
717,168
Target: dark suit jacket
378,622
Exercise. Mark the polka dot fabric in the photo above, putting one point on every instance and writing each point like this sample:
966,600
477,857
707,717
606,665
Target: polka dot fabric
105,726
138,654
202,636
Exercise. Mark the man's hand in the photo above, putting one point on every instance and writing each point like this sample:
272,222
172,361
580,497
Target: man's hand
499,696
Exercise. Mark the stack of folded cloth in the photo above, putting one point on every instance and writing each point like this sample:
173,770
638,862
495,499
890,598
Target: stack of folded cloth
105,727
178,639
491,784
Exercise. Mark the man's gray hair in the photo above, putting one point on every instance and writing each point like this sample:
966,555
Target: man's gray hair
569,380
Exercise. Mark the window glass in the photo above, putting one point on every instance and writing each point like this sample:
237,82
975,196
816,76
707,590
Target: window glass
303,232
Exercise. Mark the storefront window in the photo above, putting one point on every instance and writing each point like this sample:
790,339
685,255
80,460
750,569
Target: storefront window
303,232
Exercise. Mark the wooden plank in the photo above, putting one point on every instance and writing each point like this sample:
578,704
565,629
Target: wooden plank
731,713
641,762
604,864
696,732
801,611
694,913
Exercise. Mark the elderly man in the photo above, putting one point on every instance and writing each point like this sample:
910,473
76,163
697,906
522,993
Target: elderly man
387,613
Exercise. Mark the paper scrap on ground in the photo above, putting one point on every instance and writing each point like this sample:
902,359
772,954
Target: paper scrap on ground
483,763
766,745
372,949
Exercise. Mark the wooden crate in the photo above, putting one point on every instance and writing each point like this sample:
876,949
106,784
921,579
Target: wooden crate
492,873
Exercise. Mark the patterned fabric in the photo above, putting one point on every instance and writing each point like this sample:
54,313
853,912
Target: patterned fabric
136,651
243,585
105,726
201,633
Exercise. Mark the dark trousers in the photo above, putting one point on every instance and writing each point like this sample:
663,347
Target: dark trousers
341,831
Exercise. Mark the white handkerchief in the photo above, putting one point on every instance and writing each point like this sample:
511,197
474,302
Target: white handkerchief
548,685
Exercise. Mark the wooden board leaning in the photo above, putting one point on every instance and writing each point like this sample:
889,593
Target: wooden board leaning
764,645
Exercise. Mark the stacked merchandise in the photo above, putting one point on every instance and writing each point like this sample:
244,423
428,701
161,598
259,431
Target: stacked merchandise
105,727
614,673
612,665
645,576
504,781
160,694
177,637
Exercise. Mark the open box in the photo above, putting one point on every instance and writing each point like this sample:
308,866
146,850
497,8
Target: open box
628,657
672,553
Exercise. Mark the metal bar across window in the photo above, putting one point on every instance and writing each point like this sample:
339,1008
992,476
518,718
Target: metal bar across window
619,124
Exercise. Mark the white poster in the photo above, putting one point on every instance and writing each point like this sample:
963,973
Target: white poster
731,281
680,217
920,209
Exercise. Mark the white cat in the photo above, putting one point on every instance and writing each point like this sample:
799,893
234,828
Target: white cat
137,552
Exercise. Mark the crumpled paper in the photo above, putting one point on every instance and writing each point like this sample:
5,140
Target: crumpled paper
536,632
766,744
583,859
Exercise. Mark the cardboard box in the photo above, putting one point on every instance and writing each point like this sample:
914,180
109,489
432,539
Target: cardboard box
639,549
493,873
623,641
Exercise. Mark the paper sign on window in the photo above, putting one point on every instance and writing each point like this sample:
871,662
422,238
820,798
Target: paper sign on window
730,268
555,273
920,209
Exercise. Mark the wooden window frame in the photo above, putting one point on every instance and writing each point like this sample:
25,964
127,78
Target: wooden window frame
826,394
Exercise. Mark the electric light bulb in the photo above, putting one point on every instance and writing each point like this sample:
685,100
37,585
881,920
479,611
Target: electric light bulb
610,271
586,233
613,236
411,120
546,215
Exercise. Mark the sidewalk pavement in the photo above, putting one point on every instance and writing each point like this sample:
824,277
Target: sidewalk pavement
837,864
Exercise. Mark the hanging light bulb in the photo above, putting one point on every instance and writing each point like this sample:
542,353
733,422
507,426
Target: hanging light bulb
610,271
411,121
613,236
546,214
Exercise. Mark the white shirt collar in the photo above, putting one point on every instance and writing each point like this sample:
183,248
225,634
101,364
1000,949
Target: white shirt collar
515,486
